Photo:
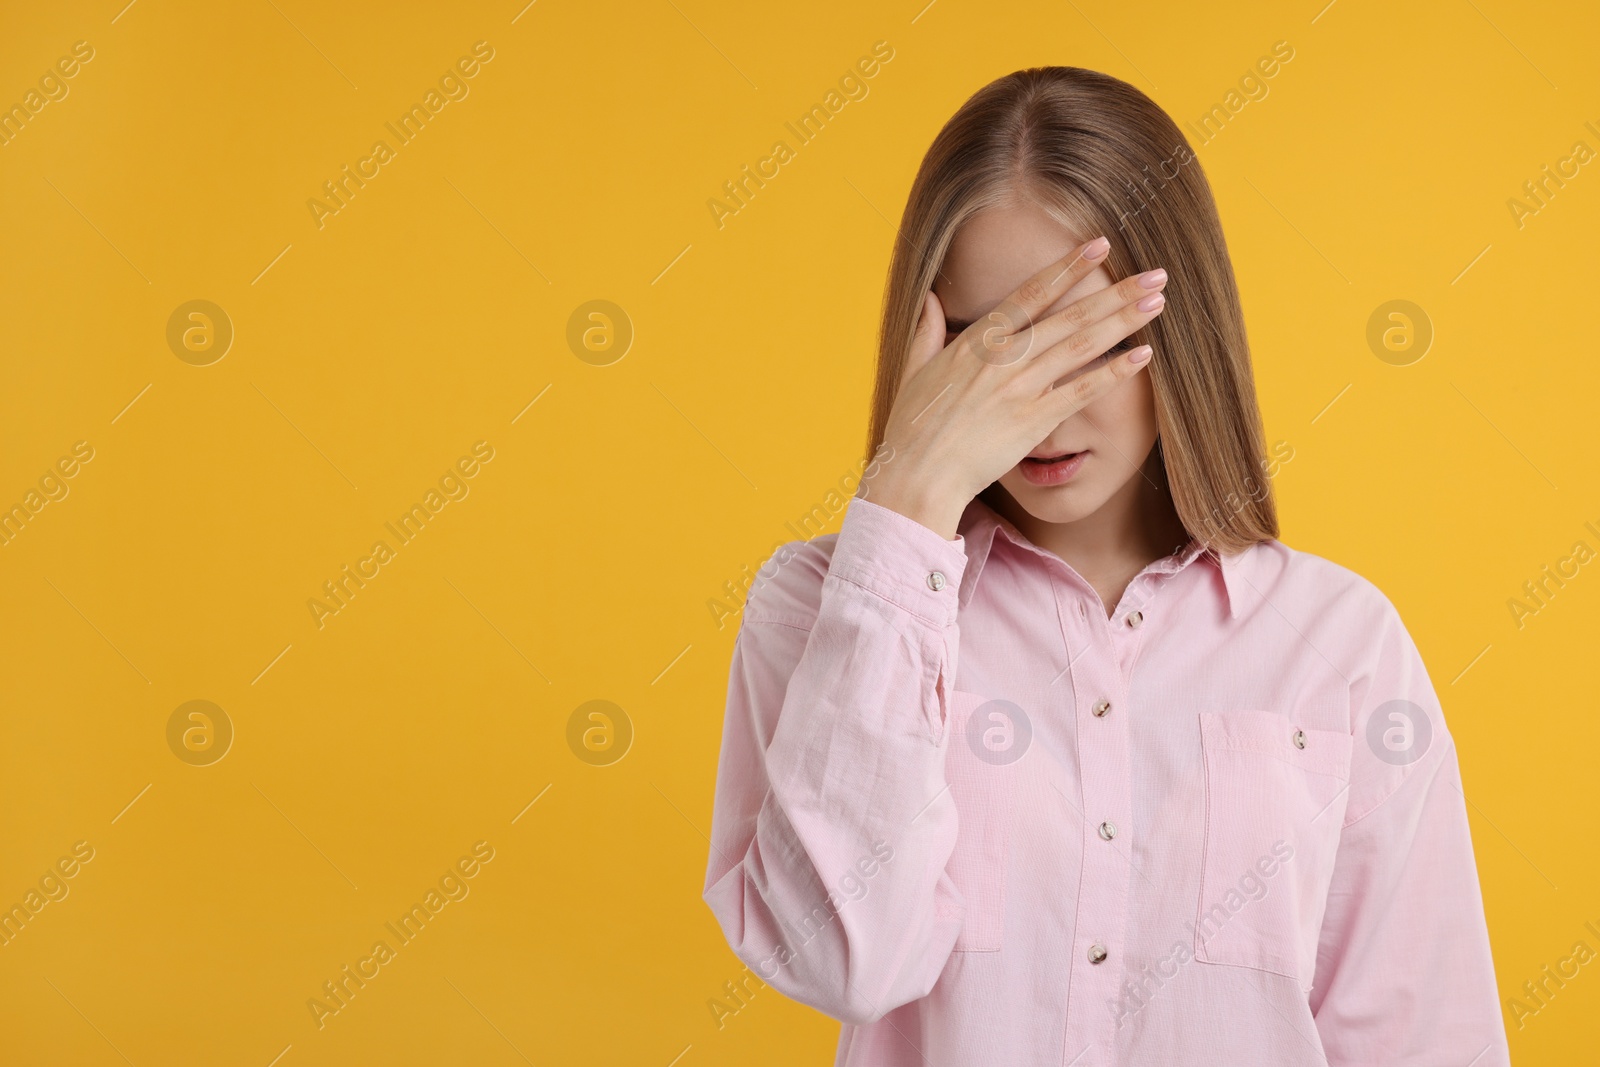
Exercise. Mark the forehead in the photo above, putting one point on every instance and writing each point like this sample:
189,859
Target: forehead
998,249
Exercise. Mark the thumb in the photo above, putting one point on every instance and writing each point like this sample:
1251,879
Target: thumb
928,341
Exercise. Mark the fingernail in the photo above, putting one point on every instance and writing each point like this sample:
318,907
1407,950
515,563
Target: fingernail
1096,249
1140,354
1152,278
1151,302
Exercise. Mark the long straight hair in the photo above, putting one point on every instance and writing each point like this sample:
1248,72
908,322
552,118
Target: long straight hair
1096,152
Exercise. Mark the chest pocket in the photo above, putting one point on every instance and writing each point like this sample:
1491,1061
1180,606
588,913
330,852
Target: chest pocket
979,765
1275,797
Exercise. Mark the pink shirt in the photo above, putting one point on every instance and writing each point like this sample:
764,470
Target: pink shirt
965,813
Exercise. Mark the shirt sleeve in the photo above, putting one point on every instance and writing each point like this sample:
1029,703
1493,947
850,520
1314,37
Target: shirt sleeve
832,823
1404,974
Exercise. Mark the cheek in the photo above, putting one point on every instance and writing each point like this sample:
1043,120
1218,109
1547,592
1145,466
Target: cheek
1126,416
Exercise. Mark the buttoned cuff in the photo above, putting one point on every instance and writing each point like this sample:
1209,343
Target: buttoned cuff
900,560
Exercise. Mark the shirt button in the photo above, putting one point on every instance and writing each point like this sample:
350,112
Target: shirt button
1101,707
1299,739
1135,619
1107,831
936,581
1097,953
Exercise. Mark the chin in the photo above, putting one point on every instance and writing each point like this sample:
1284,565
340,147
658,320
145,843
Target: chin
1059,504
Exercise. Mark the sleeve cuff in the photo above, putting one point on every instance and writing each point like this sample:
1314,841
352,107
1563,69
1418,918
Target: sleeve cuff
900,560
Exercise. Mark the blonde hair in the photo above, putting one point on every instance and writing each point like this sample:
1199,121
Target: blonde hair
1095,151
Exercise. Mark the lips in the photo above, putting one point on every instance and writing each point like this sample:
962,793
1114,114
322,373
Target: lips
1050,469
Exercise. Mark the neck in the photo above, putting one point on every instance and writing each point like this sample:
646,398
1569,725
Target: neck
1136,526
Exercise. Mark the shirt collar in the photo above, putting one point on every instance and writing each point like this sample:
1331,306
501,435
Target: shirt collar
980,524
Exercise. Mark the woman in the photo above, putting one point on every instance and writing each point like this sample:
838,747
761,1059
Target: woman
1054,754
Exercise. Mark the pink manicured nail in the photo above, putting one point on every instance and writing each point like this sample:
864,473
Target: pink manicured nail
1151,302
1152,278
1140,354
1096,249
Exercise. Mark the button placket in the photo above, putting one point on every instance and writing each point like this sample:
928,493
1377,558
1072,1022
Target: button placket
1104,789
1104,762
1127,634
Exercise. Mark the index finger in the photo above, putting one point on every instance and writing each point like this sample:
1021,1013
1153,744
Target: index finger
1029,301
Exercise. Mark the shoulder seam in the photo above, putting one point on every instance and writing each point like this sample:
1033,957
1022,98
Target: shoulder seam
1410,771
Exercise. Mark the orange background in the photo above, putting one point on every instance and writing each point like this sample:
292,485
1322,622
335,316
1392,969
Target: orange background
431,312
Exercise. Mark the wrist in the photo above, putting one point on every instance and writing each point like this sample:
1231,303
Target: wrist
937,508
